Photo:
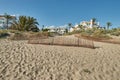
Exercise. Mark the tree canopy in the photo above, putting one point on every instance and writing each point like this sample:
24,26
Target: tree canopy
108,24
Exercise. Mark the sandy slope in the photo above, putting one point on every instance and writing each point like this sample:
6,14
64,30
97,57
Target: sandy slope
22,61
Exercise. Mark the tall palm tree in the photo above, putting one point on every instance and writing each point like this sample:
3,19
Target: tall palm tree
22,23
108,24
69,25
8,18
43,27
94,20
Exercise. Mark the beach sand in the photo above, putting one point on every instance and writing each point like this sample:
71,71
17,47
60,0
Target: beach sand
22,61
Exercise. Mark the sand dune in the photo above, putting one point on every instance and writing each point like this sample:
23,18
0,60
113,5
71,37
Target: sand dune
22,61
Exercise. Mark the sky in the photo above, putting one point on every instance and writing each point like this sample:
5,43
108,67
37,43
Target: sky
61,12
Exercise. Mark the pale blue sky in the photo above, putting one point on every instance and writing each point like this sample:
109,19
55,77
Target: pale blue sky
61,12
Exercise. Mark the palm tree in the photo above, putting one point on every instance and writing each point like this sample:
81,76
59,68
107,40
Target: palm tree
31,23
66,30
14,26
22,23
69,25
94,19
43,27
108,24
25,24
8,18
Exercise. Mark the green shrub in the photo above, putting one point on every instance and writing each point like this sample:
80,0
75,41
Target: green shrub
117,33
97,34
89,31
84,34
77,31
4,33
13,31
100,34
69,33
36,35
19,36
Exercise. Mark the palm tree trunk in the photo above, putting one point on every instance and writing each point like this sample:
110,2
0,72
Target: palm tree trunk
7,24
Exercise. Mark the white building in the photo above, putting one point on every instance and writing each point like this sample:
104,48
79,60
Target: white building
71,29
90,24
85,24
57,30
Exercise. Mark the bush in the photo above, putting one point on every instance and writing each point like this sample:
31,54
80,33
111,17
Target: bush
19,36
117,33
4,33
77,31
89,31
98,34
13,31
38,35
85,34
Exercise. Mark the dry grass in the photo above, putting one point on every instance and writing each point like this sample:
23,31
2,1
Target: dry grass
108,40
28,35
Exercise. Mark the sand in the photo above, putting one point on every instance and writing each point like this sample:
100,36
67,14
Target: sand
22,61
